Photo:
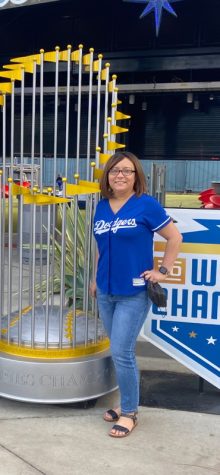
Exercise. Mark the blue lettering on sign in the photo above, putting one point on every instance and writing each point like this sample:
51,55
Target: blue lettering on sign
201,308
210,235
183,304
203,279
215,305
202,301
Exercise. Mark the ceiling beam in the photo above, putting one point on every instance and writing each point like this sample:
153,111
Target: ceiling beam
136,88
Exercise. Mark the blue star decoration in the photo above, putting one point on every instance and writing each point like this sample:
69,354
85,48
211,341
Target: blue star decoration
157,6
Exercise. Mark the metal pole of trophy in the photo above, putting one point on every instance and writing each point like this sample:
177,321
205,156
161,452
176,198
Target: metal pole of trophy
3,196
62,268
33,121
40,210
79,101
56,98
88,155
69,47
88,61
98,67
1,257
75,221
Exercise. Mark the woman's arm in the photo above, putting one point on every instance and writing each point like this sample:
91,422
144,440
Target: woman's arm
174,239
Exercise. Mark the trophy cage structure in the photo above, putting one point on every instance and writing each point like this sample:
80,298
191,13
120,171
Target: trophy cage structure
53,348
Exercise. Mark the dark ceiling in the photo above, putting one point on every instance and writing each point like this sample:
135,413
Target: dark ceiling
107,25
187,48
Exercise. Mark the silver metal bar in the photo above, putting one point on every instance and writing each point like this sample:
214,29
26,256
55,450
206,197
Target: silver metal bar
33,247
100,56
79,109
55,169
75,220
10,231
114,104
89,113
33,122
41,116
41,164
56,117
109,127
1,262
62,267
94,265
106,135
21,201
3,193
20,276
67,109
87,258
107,66
22,128
12,125
48,271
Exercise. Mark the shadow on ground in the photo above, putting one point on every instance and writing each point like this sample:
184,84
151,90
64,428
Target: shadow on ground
184,392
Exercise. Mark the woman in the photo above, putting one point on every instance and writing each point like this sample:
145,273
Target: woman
124,224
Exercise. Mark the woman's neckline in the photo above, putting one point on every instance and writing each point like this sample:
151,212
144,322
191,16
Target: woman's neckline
116,204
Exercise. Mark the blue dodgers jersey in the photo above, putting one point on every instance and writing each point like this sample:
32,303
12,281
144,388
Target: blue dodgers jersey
125,243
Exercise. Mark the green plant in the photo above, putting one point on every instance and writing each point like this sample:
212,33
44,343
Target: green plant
80,264
56,251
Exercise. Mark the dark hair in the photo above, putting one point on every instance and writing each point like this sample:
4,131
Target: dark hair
140,185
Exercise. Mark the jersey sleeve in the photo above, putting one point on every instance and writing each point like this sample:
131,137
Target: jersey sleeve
156,215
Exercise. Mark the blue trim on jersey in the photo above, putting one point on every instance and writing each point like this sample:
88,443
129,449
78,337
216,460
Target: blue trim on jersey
125,242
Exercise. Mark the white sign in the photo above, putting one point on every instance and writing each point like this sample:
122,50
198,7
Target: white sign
17,3
189,330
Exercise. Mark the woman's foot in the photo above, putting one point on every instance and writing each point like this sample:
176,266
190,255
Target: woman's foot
126,424
112,415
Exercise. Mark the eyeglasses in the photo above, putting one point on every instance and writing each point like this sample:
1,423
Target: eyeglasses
124,171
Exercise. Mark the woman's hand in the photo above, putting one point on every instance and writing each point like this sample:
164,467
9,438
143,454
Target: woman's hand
92,289
154,275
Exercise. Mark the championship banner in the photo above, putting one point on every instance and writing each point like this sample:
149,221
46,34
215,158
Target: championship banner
189,329
22,3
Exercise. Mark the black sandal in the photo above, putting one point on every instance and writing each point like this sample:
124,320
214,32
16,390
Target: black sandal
125,431
113,414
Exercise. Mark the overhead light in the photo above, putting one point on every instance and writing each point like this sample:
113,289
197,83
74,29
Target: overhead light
211,97
131,99
189,98
196,104
144,106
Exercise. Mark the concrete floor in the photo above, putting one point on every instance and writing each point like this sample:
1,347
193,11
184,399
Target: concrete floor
65,440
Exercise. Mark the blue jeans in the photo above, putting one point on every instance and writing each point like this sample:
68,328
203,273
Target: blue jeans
123,317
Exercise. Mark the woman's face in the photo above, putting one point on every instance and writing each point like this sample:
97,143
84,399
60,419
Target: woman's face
121,177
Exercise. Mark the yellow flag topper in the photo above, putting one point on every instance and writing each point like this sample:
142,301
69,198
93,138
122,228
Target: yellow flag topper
27,59
51,56
5,87
98,172
114,145
28,67
41,200
121,116
12,74
84,188
104,157
117,130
